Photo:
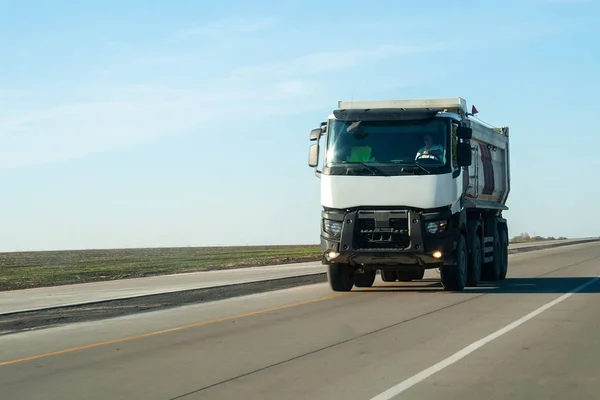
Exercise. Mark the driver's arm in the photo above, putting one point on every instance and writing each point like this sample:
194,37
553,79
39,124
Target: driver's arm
419,153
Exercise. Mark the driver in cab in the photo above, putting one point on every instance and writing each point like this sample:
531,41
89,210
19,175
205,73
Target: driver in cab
431,151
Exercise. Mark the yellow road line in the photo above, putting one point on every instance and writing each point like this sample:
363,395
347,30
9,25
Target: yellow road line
178,328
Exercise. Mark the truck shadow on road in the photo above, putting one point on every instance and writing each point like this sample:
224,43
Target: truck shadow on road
538,285
508,286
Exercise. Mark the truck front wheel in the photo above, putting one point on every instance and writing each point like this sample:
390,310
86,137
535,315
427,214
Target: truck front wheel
340,277
454,277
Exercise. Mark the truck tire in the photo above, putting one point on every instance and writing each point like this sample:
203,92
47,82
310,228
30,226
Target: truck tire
365,279
389,276
492,270
475,261
340,277
504,253
454,277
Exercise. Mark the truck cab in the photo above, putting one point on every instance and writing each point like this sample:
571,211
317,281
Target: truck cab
393,192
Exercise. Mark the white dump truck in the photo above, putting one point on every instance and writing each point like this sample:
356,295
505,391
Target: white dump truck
410,185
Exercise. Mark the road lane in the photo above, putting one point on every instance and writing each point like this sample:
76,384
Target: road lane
553,356
414,380
353,346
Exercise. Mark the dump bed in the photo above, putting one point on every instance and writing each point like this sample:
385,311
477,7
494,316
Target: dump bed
489,173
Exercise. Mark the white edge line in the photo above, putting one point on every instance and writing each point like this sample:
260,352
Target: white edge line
413,380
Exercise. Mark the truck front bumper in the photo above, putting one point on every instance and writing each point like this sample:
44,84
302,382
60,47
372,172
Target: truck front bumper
388,238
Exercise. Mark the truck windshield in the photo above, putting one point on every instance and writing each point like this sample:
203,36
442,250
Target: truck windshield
388,143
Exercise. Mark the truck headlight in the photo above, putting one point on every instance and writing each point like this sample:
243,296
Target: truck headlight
436,226
332,227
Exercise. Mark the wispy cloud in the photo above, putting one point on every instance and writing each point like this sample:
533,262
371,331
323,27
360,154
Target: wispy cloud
123,116
322,62
14,92
98,117
231,26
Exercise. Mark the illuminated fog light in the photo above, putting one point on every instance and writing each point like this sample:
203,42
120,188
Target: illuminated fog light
437,254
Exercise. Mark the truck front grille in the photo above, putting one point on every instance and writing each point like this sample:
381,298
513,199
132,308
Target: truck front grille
400,224
393,236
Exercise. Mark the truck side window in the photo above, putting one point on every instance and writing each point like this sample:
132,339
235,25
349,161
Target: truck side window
454,146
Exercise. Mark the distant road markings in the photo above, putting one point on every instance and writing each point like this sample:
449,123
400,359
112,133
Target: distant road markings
413,380
178,328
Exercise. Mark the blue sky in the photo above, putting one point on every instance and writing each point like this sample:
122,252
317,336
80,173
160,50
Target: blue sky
153,123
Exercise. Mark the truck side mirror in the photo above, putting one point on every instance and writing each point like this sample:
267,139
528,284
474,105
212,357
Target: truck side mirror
315,134
464,155
313,155
462,132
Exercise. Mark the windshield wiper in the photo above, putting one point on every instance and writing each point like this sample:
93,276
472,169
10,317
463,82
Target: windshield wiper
411,164
374,170
423,168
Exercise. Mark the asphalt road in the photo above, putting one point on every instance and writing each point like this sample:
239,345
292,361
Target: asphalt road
92,292
530,337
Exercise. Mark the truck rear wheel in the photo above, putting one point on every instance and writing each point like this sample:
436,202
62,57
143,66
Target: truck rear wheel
389,276
492,270
340,277
454,277
475,261
504,254
364,279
